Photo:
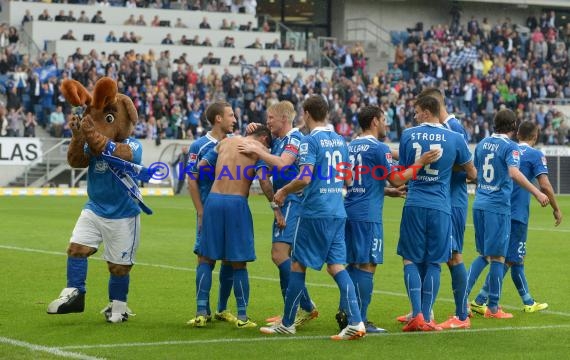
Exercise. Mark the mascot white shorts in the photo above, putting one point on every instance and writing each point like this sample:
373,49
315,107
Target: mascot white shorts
119,236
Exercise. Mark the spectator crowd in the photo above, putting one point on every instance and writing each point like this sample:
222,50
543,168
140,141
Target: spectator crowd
481,67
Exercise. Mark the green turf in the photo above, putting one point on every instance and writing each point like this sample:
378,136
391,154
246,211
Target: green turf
162,294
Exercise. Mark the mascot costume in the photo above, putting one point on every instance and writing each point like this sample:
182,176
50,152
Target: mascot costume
102,124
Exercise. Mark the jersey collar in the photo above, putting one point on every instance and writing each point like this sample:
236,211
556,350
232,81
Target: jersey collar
501,136
210,137
449,117
320,128
431,124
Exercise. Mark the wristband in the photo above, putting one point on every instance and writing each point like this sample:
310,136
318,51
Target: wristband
273,205
110,148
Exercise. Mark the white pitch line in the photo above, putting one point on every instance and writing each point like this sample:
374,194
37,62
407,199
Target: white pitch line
47,349
261,278
295,338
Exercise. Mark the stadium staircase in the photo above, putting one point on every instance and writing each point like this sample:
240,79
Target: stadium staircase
52,166
378,47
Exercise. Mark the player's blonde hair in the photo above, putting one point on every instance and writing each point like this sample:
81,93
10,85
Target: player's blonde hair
283,108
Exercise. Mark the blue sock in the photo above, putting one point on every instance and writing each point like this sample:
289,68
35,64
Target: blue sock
241,292
474,271
203,287
483,295
293,296
226,284
305,302
413,287
495,284
347,291
459,284
430,288
519,278
76,273
364,285
118,287
284,273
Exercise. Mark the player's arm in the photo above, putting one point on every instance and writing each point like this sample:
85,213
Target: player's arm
520,179
547,189
279,162
196,200
396,192
296,185
267,188
398,178
470,170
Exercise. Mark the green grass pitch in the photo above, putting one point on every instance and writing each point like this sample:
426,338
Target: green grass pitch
35,232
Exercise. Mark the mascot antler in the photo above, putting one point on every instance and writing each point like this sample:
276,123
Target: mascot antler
75,93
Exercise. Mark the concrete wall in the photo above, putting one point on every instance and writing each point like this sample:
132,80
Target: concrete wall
13,12
398,15
194,54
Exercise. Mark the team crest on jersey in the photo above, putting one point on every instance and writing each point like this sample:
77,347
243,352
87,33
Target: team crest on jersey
516,155
304,148
543,160
101,166
295,142
389,157
193,158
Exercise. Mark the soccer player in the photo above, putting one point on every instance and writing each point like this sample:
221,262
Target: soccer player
221,116
459,201
533,166
497,160
227,228
319,234
425,228
284,167
371,163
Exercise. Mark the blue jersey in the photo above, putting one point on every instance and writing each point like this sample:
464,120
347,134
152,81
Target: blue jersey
365,198
326,151
431,187
198,149
107,197
493,157
532,164
458,178
288,144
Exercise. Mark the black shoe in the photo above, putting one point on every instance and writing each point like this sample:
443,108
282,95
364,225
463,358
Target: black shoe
69,301
341,319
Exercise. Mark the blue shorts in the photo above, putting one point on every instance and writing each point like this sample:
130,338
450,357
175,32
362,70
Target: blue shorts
458,220
364,242
227,229
290,211
425,235
517,242
319,241
491,232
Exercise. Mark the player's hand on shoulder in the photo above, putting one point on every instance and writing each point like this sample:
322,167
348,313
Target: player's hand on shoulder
430,157
249,147
251,127
557,217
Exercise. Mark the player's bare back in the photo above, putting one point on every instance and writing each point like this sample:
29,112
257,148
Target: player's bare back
231,178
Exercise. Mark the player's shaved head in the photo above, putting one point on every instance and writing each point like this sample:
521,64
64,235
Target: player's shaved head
283,108
434,93
317,107
367,114
216,109
505,121
527,131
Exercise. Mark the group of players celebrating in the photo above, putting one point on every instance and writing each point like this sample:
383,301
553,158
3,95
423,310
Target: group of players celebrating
314,225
